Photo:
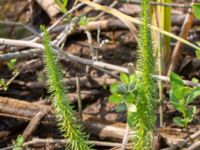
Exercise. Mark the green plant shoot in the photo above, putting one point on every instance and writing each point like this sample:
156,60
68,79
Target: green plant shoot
62,4
181,96
124,93
196,10
12,64
138,91
18,143
3,84
142,122
65,115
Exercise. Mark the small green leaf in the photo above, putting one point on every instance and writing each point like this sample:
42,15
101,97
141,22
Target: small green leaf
20,139
175,81
195,80
173,98
124,78
131,98
181,92
65,2
121,107
180,107
3,84
131,86
18,143
197,53
83,21
122,89
11,64
130,119
114,87
62,5
132,78
132,108
191,111
195,93
196,10
178,121
116,99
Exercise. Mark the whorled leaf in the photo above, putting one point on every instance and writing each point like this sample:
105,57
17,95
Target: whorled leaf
65,115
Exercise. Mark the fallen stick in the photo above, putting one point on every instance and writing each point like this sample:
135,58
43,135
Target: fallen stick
65,55
177,52
181,144
50,7
102,128
13,108
63,142
19,109
194,146
33,124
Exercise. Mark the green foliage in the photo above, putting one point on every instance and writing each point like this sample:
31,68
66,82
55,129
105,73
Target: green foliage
3,85
18,143
65,115
83,21
62,4
195,80
144,119
124,93
138,91
197,53
196,10
11,64
181,96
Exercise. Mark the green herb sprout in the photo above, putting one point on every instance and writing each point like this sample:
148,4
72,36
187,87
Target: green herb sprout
65,115
181,96
138,91
18,143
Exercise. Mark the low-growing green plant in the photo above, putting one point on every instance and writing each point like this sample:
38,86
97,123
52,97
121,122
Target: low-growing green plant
181,97
138,91
143,120
3,85
18,143
124,93
62,4
84,21
196,10
65,115
198,51
12,64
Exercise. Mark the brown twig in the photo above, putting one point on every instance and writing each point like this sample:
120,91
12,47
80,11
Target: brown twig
63,142
177,52
183,143
33,124
50,7
80,110
23,110
26,111
65,55
194,146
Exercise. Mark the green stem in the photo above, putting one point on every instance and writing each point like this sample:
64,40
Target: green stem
65,115
144,118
